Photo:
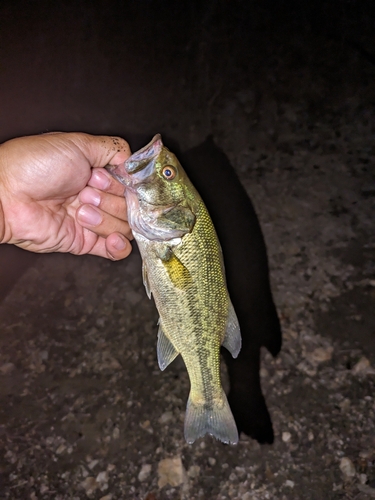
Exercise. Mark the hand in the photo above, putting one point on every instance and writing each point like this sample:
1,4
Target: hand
54,197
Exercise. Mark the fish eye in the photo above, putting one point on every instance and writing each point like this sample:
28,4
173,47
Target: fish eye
169,172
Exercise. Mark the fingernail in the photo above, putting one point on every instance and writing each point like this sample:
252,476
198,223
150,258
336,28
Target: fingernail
89,215
91,196
119,243
100,180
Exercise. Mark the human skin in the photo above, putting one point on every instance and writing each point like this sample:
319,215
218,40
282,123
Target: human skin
55,195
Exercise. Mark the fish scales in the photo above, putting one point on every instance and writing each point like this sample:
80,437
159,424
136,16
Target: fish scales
200,311
183,269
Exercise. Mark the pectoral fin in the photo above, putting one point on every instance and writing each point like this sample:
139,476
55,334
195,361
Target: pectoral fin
145,280
177,272
165,350
232,338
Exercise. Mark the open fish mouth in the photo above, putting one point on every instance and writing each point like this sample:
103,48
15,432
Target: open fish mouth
141,159
139,166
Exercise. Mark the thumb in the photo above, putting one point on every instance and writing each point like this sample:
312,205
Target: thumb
101,150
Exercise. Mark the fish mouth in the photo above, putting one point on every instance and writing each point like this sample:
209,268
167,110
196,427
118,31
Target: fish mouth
139,160
139,166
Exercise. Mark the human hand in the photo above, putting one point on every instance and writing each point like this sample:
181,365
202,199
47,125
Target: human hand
52,200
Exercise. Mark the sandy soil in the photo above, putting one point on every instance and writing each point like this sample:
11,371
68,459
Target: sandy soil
288,93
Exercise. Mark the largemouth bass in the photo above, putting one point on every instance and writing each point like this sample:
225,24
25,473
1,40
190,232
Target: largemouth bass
183,269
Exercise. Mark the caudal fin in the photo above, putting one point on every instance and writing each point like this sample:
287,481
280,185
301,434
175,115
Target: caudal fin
217,421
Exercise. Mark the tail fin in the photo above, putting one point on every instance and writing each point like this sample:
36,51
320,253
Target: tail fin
217,421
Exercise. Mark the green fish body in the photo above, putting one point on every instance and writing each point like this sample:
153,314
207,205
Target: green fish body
183,269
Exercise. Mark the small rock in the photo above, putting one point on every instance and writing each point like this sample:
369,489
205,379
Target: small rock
166,417
320,354
289,483
247,496
310,436
363,367
92,464
193,471
90,485
116,433
233,477
144,472
306,367
102,477
171,471
146,425
7,368
363,478
286,437
212,461
106,497
347,467
43,489
60,449
345,404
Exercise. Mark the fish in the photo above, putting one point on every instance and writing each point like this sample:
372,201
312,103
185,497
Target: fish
183,269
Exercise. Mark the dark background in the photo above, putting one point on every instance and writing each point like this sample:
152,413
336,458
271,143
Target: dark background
133,68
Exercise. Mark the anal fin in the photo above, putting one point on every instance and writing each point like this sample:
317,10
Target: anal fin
232,339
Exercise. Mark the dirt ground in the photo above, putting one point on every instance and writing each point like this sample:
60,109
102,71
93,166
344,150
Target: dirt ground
288,92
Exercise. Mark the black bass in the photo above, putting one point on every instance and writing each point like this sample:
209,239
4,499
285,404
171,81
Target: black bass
183,269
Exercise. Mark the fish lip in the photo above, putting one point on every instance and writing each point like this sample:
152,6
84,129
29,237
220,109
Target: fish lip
119,173
142,158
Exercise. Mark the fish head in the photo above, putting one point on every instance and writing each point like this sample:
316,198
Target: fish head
159,195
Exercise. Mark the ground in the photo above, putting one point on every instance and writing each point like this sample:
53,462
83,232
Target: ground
85,411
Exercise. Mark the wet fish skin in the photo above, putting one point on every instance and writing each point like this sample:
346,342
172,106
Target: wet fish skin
183,269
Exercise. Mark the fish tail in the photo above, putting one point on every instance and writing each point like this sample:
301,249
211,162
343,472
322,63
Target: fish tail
216,420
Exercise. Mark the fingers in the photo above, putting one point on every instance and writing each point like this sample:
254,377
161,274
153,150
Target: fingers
107,202
102,223
115,247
